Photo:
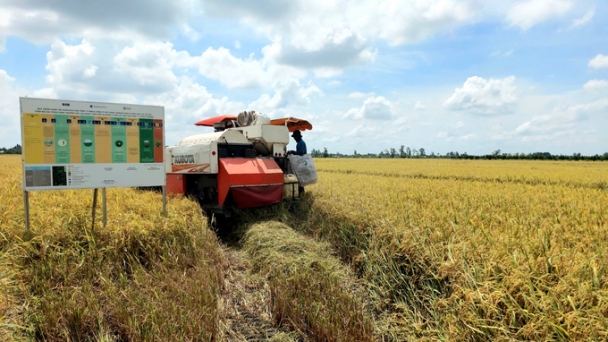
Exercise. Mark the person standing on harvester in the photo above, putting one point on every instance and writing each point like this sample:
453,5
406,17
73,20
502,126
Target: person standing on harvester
300,144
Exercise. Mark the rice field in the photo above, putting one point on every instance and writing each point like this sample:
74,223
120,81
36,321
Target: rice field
378,249
473,250
142,277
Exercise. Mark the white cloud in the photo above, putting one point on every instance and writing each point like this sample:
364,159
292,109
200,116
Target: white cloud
419,105
596,84
528,13
328,35
41,21
9,106
485,97
561,122
584,20
219,64
374,108
108,71
585,111
327,60
186,103
287,92
267,10
90,71
499,53
362,130
228,70
410,22
545,127
600,61
359,95
10,130
190,33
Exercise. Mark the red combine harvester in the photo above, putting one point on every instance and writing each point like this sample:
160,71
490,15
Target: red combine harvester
242,164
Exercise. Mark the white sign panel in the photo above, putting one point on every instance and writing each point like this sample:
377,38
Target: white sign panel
79,144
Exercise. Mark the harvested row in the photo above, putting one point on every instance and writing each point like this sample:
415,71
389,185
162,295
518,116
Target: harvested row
310,290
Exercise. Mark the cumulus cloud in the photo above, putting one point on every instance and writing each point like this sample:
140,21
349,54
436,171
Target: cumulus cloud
484,97
544,127
221,65
359,95
9,105
419,105
232,72
374,108
336,53
10,130
287,92
95,68
105,71
600,61
596,84
261,9
583,20
332,35
451,136
40,21
187,102
562,121
410,22
528,13
585,111
500,53
90,71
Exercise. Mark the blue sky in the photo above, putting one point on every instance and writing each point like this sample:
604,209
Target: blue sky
444,75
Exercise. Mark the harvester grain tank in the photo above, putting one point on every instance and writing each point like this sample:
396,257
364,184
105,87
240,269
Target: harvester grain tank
242,164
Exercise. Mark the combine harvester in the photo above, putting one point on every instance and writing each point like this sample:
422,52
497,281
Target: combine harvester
242,164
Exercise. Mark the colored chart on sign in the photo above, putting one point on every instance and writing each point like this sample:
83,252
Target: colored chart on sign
85,139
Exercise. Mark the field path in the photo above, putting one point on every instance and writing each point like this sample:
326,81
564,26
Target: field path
245,303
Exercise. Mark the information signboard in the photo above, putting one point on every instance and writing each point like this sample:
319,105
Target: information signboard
79,145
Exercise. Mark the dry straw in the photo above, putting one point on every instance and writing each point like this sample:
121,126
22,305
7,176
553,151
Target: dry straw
143,277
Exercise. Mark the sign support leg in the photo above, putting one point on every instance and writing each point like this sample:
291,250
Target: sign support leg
94,205
164,201
26,203
105,213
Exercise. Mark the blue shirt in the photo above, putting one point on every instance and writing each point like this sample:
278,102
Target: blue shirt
300,148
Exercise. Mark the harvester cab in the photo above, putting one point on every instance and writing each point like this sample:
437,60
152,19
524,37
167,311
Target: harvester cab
242,164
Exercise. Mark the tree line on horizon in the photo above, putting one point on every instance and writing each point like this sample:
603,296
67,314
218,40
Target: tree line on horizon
13,150
406,152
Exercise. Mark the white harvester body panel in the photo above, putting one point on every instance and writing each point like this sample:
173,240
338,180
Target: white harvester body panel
268,140
198,153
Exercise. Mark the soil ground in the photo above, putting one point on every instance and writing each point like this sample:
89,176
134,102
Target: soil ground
245,303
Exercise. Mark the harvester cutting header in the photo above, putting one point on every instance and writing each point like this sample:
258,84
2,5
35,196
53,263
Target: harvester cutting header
243,163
